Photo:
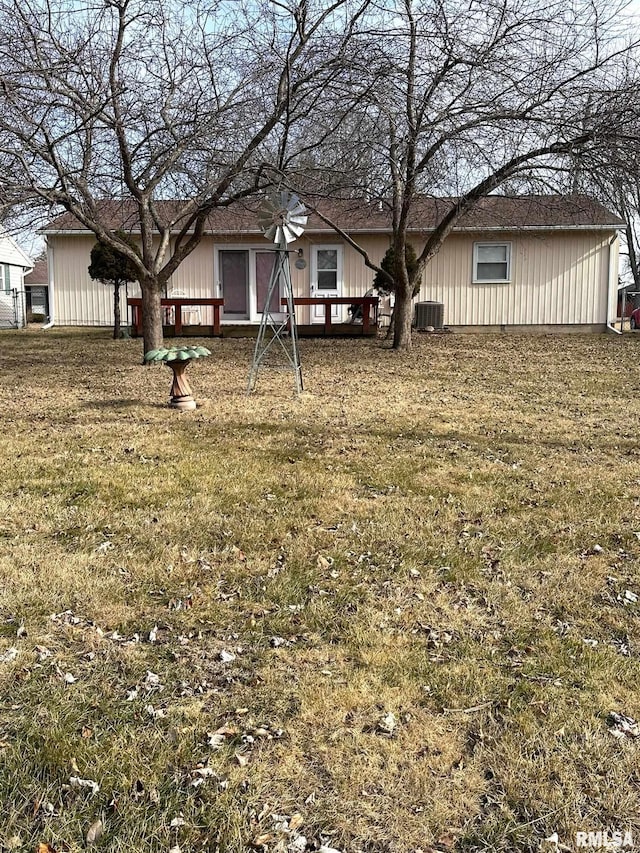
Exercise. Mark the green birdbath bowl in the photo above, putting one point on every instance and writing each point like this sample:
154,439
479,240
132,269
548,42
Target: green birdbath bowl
178,359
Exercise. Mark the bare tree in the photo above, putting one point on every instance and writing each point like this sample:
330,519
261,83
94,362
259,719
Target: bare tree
464,97
626,203
619,189
612,176
173,108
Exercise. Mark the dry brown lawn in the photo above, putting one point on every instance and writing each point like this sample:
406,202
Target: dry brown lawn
392,615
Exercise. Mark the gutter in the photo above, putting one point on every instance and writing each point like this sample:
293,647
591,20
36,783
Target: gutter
361,229
613,277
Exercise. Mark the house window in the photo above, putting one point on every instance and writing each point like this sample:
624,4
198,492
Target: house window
5,278
326,270
491,262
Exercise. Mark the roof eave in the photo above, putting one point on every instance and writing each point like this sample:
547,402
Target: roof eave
461,229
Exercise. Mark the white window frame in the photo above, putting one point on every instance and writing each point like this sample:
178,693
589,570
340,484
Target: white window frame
476,246
5,278
252,249
323,247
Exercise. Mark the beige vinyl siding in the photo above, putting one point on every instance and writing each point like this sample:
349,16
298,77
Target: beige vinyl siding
194,277
556,278
80,301
195,273
77,300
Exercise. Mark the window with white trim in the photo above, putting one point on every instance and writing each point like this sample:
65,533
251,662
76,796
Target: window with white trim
5,278
327,269
491,262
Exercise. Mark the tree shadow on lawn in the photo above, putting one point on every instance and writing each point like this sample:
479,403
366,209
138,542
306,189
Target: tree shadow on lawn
124,404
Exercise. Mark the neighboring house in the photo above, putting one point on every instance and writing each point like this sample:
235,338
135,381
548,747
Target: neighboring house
14,263
36,286
527,262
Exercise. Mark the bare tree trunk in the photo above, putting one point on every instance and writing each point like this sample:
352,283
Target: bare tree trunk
403,284
403,318
151,314
116,310
392,326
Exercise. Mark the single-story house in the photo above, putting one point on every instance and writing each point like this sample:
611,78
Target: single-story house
14,263
525,262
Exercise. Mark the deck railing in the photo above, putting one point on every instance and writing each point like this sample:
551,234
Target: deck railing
367,303
176,303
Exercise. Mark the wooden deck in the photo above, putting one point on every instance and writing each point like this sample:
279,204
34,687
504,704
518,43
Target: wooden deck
305,330
250,330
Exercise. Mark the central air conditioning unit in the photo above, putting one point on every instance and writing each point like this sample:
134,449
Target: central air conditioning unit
429,315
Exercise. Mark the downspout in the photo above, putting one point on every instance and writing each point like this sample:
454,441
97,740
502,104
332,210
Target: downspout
22,311
23,291
613,278
51,318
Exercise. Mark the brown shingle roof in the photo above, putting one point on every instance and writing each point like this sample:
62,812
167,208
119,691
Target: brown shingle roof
492,212
40,272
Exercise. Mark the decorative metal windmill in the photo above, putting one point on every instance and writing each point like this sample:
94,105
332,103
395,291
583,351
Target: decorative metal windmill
282,218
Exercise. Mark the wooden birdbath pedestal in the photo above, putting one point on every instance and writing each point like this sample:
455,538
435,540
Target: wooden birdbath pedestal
178,359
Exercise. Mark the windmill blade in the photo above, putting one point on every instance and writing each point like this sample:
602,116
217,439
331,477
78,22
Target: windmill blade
298,215
274,233
296,226
292,201
291,232
268,208
297,212
266,218
297,209
298,222
270,233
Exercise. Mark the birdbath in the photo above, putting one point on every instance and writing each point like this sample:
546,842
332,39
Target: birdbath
178,359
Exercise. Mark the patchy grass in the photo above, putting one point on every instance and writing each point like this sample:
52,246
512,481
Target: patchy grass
212,615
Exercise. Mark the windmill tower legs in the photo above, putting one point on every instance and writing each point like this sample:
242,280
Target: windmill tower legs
277,335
